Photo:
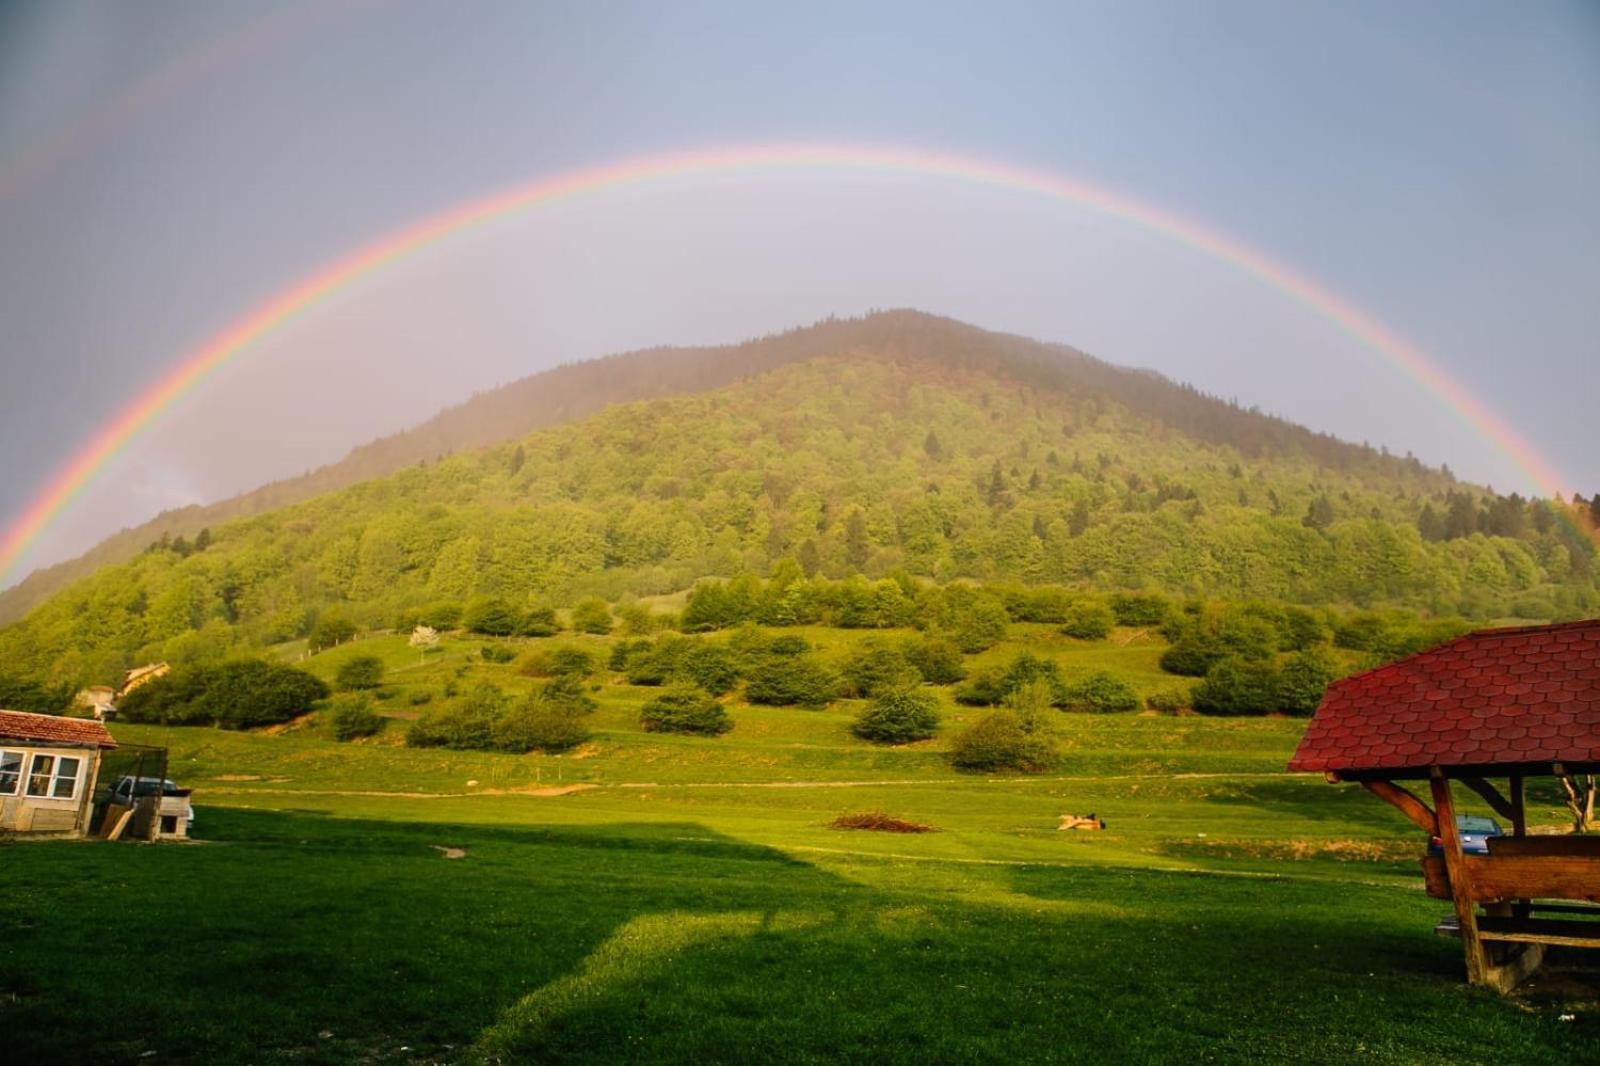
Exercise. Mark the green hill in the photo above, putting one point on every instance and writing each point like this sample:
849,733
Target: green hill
895,443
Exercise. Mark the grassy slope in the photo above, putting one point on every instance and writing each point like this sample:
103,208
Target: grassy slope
694,905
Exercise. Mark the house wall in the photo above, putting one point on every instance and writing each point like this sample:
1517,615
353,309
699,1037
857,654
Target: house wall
22,813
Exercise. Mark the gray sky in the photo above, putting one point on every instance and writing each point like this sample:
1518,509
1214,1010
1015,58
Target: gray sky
166,167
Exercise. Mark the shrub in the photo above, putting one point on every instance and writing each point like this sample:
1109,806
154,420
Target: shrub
440,616
898,718
491,616
624,651
20,694
788,644
792,679
1140,609
684,709
352,716
1027,668
360,672
876,668
1169,700
1100,693
936,659
712,667
986,688
998,741
592,616
1237,685
331,630
1192,657
1088,620
974,619
538,622
235,695
496,653
1303,679
561,661
463,725
648,668
539,725
420,697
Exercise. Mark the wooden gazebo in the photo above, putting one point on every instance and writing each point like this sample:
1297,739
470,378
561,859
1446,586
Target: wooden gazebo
1499,704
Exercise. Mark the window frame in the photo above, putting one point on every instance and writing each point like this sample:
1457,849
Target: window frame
20,773
53,776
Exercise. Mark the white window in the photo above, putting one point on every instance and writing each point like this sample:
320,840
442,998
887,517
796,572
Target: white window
10,772
54,776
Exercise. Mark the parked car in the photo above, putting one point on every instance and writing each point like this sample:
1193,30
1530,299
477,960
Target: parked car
1474,833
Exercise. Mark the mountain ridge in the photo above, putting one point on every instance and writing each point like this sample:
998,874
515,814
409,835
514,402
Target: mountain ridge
577,389
933,451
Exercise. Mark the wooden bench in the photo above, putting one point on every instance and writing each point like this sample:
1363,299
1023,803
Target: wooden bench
1568,932
1524,868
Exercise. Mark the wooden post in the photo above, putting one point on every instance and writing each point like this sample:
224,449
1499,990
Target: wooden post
1519,806
1460,886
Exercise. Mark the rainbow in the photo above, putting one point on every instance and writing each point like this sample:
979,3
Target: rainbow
195,367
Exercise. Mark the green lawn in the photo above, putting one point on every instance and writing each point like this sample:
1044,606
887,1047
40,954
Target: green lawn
691,904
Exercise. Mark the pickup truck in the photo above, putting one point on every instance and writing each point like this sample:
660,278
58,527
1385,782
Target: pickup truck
174,801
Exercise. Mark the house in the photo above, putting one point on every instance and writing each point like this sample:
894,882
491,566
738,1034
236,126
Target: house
141,674
48,767
1485,712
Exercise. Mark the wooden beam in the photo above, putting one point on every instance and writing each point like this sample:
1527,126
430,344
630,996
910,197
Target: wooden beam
1460,883
1406,803
1491,795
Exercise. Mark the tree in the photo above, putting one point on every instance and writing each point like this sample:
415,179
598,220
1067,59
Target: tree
1088,620
998,741
792,679
1303,679
491,616
1319,515
898,718
351,716
22,694
538,622
936,659
591,616
856,548
876,668
684,709
331,630
361,672
1238,686
240,694
1100,692
424,639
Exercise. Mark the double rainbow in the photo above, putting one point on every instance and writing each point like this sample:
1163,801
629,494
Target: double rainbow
196,366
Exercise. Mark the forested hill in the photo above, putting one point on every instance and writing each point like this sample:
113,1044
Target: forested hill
924,454
580,389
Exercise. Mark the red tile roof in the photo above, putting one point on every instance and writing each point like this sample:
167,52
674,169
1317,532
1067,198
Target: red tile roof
1527,695
53,729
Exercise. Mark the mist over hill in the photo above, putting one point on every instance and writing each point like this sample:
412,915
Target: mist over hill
895,444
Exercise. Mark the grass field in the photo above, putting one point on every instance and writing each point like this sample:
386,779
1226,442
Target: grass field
682,899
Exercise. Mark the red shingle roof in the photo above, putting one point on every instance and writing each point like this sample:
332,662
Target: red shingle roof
1527,695
53,729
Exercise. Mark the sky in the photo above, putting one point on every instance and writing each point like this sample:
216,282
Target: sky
167,167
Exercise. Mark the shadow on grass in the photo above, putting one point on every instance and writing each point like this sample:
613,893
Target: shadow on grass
296,935
323,939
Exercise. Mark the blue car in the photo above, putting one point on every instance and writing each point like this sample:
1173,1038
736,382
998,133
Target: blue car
1474,832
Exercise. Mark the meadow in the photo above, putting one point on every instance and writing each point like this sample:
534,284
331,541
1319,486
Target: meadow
675,898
